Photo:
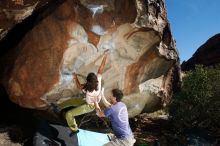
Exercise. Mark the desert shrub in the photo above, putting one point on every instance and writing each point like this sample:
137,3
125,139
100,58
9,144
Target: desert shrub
197,104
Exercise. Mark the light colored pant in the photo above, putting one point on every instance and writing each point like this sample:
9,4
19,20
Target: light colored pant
81,107
121,142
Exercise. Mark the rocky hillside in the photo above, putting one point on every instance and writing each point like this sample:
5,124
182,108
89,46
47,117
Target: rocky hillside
208,54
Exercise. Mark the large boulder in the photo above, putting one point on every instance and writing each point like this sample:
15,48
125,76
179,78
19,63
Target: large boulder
142,61
13,12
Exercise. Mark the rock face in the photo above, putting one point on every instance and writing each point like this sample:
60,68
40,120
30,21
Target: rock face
208,54
143,60
13,12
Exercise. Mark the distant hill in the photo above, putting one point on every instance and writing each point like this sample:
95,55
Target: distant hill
208,54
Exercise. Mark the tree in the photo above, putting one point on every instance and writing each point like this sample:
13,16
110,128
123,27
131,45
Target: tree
197,104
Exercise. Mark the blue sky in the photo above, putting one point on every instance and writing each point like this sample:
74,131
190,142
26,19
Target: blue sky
192,22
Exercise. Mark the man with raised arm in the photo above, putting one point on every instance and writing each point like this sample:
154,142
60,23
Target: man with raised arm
118,114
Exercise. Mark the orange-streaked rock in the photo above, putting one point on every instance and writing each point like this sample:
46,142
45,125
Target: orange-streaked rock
73,37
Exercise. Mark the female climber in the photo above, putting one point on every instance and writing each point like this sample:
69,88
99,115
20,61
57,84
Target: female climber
93,92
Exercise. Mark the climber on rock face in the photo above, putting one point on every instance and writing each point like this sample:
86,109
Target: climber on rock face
92,89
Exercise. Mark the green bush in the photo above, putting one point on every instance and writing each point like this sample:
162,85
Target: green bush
197,104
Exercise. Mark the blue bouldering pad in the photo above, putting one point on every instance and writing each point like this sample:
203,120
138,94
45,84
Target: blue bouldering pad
56,134
90,138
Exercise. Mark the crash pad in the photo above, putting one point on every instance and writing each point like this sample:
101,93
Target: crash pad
56,134
90,138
